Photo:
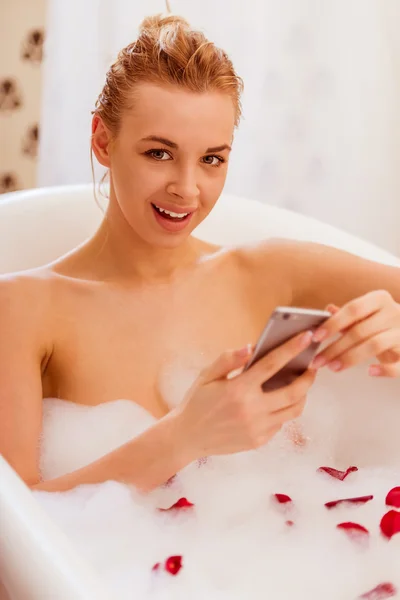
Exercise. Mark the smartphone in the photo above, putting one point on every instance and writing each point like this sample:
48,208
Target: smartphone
285,323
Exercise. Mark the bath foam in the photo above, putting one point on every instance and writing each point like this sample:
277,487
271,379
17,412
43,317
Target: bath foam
237,541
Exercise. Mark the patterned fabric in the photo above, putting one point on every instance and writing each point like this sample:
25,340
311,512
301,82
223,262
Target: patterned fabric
21,53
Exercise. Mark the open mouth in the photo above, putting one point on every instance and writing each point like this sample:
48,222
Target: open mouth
171,216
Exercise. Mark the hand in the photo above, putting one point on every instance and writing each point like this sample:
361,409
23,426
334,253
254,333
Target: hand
370,326
222,415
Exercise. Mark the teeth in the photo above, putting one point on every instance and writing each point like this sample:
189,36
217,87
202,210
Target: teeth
172,214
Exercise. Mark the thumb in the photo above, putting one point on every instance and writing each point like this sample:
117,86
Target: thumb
225,363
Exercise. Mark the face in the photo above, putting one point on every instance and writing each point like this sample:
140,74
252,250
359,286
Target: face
171,154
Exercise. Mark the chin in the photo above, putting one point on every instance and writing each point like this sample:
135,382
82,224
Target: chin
168,242
157,237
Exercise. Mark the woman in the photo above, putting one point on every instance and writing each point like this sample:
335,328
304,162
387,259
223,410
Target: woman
104,321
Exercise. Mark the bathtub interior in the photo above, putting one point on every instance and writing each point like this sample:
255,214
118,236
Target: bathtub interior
37,560
40,225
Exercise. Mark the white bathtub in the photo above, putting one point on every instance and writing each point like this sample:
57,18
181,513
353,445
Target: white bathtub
37,562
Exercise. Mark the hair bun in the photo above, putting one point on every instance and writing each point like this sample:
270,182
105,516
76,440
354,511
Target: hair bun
155,23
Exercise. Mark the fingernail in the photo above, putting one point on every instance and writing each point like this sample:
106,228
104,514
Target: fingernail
332,308
375,371
306,338
319,335
234,373
318,362
246,351
335,365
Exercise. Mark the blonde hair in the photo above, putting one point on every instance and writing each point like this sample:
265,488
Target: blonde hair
167,51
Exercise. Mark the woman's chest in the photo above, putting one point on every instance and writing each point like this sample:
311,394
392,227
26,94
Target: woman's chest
150,347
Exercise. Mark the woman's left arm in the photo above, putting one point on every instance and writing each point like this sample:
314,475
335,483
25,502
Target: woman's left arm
364,298
322,275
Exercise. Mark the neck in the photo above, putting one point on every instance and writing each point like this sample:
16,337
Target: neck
124,255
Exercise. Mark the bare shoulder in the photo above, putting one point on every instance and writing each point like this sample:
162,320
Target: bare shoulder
25,286
266,270
304,271
273,253
273,257
26,299
314,274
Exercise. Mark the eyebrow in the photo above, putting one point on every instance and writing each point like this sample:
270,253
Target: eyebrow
156,138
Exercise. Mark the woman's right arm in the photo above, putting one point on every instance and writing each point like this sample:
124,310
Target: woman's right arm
25,346
23,349
146,461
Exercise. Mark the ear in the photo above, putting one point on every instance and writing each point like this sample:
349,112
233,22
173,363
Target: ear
101,141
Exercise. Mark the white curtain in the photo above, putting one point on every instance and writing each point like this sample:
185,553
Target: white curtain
321,127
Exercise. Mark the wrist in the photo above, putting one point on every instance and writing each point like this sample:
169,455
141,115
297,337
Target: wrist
163,452
182,446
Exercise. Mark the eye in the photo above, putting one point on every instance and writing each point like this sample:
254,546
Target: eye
213,160
158,154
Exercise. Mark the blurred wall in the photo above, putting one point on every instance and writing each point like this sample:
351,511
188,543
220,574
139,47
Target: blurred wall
320,132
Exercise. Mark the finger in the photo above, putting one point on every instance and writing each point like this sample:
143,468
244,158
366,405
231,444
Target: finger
291,394
352,312
354,336
371,347
390,356
302,384
273,362
225,363
289,413
290,404
387,370
332,308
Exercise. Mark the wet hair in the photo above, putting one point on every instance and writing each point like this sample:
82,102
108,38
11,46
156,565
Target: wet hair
166,52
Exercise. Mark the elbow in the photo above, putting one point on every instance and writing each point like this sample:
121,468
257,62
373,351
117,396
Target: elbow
30,477
33,485
31,480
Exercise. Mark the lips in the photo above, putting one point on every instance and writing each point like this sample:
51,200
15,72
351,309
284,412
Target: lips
171,215
171,223
179,210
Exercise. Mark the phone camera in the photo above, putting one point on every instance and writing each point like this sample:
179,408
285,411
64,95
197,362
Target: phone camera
286,316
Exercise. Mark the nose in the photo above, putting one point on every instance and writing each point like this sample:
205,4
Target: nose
184,184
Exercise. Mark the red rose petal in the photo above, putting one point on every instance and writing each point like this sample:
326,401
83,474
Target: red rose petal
173,564
181,503
156,567
353,529
282,498
357,500
393,497
337,474
380,592
390,523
